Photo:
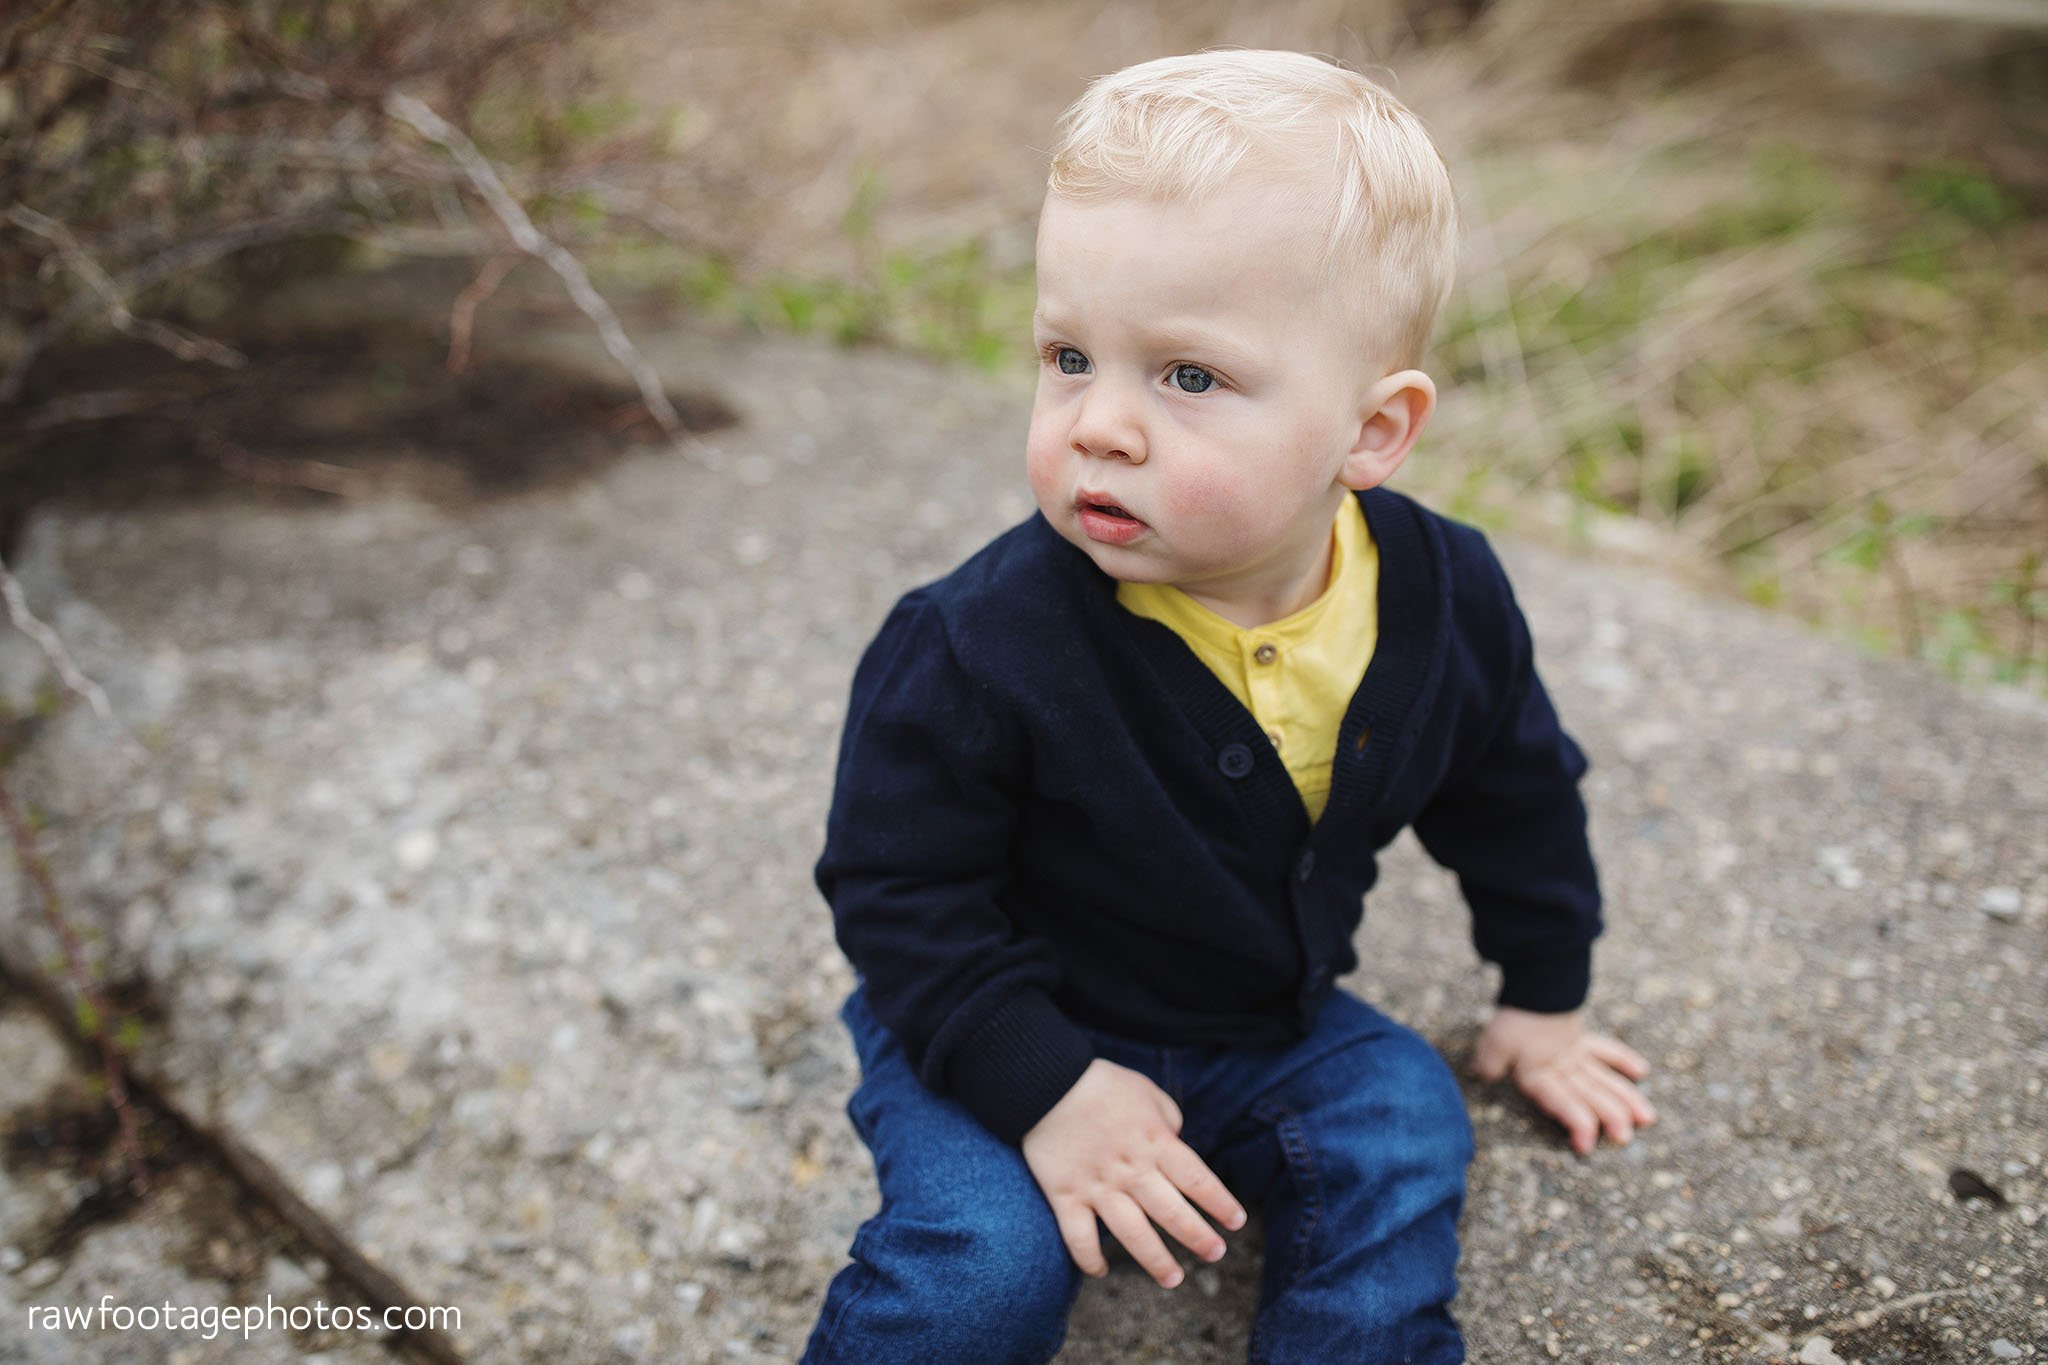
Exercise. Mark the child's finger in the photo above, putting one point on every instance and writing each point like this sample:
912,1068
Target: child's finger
1618,1055
1613,1083
1164,1205
1192,1176
1594,1086
1557,1098
1639,1103
1128,1224
1077,1230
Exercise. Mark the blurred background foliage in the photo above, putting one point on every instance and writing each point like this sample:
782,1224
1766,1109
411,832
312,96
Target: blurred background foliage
1756,291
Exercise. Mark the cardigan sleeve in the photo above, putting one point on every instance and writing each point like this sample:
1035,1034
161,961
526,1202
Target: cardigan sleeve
915,864
1512,826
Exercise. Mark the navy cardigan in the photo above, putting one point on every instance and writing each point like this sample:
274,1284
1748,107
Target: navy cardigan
1048,810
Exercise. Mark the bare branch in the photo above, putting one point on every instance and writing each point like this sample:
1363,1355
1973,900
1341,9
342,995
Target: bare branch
180,343
82,981
25,621
483,177
462,316
175,260
272,472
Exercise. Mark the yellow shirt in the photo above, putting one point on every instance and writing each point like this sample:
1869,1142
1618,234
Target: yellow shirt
1295,675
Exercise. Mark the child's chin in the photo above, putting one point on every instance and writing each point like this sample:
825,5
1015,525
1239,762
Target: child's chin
1122,565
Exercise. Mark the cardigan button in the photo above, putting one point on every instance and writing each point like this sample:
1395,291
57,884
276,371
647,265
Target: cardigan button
1235,760
1305,866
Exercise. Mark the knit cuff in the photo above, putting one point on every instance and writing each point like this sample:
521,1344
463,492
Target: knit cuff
1547,985
1017,1064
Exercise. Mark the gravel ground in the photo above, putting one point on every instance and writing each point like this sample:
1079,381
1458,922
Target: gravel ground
199,1246
471,864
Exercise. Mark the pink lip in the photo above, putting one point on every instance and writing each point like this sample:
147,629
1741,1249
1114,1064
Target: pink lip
1105,527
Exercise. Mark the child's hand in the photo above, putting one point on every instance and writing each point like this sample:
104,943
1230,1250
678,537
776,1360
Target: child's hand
1111,1149
1583,1080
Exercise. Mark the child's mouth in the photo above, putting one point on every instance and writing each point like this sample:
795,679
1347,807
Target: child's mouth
1109,524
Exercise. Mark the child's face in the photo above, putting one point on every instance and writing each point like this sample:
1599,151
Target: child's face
1197,403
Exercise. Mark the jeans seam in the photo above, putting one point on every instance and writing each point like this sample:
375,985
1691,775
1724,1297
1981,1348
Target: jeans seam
1300,1159
828,1333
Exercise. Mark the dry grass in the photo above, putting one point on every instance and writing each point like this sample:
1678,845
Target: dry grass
1770,289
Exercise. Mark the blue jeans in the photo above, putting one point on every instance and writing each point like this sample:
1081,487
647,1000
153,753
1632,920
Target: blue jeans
1354,1141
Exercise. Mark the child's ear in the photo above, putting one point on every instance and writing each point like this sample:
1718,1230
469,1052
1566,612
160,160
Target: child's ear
1392,415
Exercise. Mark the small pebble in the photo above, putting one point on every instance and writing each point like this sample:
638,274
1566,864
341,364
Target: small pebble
417,848
2001,903
1819,1351
323,1184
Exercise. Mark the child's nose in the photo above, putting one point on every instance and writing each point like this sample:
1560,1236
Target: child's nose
1107,426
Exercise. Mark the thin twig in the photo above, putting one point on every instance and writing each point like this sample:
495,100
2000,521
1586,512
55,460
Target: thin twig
173,260
462,316
483,177
74,678
1870,1317
82,981
180,343
273,472
253,1176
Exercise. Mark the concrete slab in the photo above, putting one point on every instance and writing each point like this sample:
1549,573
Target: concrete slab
198,1277
471,867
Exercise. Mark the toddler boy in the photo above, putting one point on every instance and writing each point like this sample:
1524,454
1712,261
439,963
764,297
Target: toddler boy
1109,794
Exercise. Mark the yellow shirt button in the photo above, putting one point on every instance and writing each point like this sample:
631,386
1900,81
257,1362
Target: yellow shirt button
1265,653
1277,738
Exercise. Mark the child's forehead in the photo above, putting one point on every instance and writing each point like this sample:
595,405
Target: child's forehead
1216,248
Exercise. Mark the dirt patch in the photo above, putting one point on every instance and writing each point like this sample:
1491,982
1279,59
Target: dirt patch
344,411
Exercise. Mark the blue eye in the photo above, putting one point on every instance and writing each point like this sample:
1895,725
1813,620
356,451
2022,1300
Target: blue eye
1193,378
1070,361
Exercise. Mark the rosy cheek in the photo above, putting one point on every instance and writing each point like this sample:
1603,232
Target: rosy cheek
1042,461
1209,502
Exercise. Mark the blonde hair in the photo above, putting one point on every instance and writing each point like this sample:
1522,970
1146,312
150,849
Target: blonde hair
1178,128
